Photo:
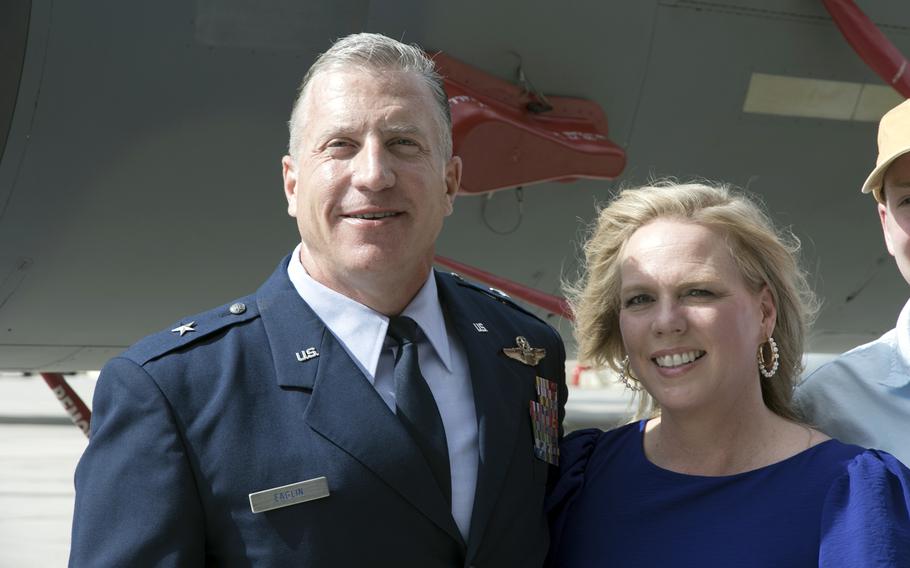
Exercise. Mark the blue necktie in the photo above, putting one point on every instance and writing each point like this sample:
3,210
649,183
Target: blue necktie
416,407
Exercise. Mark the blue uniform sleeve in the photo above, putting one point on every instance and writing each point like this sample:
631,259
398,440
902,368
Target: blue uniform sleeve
136,500
574,452
866,517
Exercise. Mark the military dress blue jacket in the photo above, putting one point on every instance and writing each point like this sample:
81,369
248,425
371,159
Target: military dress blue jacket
185,427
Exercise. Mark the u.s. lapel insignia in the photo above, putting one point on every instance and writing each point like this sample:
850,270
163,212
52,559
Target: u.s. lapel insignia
185,328
307,354
480,327
524,352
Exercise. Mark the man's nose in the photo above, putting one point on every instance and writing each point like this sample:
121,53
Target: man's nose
372,167
669,319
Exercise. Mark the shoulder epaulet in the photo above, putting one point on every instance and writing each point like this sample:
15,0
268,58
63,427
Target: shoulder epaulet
192,329
496,294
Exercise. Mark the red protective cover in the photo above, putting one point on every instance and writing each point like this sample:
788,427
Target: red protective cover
503,144
72,402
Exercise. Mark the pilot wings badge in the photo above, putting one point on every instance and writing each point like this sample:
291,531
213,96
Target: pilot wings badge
524,352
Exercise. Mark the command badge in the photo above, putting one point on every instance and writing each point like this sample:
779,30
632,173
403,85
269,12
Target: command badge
524,352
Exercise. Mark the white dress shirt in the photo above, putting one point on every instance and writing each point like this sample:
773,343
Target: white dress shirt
443,363
863,396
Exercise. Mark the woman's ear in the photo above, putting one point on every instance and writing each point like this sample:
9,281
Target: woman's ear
768,311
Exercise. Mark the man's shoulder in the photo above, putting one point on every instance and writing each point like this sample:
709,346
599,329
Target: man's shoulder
492,298
856,364
190,331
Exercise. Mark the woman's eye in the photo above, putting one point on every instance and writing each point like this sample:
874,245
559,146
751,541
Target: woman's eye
699,293
637,300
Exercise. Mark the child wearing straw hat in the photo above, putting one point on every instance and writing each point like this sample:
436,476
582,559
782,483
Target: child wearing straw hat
863,396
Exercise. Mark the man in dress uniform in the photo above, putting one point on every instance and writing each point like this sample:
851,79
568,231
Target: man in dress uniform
360,409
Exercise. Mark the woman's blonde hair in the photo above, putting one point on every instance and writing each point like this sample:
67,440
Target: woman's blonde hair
763,254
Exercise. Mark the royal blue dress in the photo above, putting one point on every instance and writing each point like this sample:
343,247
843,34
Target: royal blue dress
832,505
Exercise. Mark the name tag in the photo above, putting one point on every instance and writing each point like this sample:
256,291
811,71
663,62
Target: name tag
288,495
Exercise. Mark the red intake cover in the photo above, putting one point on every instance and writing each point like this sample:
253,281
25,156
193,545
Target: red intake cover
504,144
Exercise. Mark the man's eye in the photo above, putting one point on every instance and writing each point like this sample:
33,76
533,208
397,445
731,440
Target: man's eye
338,144
404,142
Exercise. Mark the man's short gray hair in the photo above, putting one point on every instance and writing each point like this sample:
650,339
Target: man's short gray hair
379,53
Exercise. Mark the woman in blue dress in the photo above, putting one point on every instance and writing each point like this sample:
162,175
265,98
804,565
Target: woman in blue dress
697,301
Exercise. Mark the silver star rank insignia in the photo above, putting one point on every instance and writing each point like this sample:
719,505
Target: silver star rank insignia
524,352
185,328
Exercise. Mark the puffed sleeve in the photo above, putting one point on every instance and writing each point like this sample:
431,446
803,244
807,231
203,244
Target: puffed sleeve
136,502
866,517
574,452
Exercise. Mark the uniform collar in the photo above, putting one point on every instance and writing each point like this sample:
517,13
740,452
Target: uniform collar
426,310
362,330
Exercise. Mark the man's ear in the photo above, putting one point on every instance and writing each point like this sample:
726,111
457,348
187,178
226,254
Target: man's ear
289,173
883,217
453,180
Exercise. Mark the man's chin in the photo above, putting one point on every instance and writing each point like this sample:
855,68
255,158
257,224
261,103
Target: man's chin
903,265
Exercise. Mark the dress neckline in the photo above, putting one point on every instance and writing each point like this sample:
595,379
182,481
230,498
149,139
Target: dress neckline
640,454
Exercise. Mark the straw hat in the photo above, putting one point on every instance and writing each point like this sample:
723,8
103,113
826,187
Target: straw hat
893,142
